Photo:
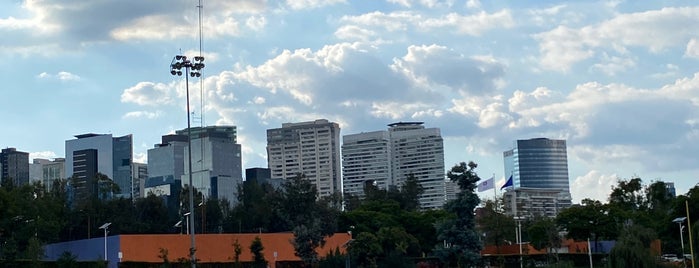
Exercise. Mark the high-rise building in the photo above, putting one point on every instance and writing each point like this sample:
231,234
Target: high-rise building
216,161
139,175
386,158
47,171
539,171
309,148
15,166
90,154
366,159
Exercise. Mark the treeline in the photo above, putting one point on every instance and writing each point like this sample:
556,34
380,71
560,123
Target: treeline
633,215
387,226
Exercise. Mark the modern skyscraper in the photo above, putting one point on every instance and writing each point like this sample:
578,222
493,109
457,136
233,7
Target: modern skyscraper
216,161
309,148
91,153
386,158
15,166
539,170
47,171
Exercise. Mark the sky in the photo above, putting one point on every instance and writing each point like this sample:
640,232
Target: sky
618,80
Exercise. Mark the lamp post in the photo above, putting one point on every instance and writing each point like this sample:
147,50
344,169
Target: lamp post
519,239
190,69
186,220
105,227
679,221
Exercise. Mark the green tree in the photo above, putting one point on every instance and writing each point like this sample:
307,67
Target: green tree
410,192
461,242
237,250
365,249
495,226
258,256
310,220
633,248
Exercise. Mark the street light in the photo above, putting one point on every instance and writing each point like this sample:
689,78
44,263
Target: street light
519,238
192,69
105,227
679,221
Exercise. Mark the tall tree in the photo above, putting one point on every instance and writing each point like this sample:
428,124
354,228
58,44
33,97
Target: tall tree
633,248
258,256
460,241
495,226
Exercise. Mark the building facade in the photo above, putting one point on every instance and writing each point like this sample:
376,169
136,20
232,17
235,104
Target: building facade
90,154
386,158
47,171
139,175
366,159
539,171
216,161
15,166
309,148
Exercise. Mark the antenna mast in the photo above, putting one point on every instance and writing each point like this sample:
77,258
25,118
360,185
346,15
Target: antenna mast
201,81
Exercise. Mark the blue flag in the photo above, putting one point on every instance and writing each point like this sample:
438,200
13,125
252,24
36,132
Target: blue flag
486,184
508,183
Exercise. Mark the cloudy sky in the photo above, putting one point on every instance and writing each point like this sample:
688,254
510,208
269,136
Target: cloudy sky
619,80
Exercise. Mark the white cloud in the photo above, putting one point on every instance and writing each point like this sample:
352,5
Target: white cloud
405,20
692,50
613,65
355,33
149,94
256,23
471,25
62,76
563,46
140,157
42,155
593,185
310,4
143,114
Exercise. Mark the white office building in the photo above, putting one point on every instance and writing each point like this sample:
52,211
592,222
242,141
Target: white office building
308,148
366,159
101,153
387,158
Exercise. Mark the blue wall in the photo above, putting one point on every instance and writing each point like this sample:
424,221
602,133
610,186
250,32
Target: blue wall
86,250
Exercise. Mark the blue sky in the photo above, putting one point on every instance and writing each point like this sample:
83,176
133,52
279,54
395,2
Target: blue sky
617,79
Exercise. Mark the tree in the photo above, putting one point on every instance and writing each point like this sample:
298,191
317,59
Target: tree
365,249
461,243
543,233
237,250
258,257
633,248
410,192
495,226
311,221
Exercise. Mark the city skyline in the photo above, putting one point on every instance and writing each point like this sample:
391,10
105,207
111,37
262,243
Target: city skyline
618,80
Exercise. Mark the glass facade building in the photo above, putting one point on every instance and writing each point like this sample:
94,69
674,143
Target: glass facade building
538,163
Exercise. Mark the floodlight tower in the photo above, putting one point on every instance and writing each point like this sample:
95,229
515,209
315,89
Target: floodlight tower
190,69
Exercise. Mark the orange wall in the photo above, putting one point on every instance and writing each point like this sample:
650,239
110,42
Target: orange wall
217,247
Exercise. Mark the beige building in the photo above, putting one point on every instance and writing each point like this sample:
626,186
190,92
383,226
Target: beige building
309,148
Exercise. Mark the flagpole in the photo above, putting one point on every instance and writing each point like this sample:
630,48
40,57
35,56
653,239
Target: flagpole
495,191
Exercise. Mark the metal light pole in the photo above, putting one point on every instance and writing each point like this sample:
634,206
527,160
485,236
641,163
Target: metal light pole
190,69
679,221
519,239
105,227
